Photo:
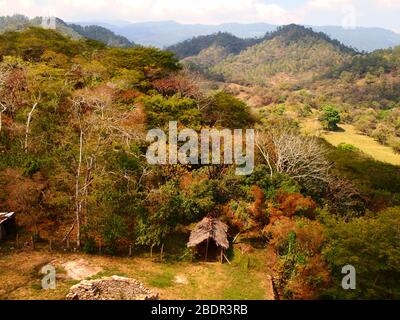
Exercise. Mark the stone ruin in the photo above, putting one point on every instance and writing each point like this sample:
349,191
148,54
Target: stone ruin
112,288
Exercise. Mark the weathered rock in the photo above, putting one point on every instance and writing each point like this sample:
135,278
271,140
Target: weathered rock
112,288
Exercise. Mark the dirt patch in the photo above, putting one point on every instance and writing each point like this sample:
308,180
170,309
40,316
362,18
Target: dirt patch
181,279
80,269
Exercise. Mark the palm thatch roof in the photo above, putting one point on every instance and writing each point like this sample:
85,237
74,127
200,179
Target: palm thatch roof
209,228
6,216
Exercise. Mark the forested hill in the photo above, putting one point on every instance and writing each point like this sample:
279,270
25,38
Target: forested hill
377,62
293,33
101,34
229,42
109,38
291,54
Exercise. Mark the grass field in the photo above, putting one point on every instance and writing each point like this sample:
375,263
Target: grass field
349,135
243,279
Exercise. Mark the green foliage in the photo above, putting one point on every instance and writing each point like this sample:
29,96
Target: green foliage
292,54
330,117
102,35
153,62
375,63
108,95
89,245
371,245
20,23
224,40
32,43
261,177
112,229
347,147
379,182
163,216
161,110
227,111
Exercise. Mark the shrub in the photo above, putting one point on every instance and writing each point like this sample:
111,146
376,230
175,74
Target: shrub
330,118
347,147
300,268
371,245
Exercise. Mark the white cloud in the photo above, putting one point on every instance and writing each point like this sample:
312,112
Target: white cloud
382,13
329,4
188,11
388,3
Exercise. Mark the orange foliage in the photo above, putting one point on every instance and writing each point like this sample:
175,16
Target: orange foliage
176,84
292,204
135,117
310,275
257,210
186,181
128,96
24,196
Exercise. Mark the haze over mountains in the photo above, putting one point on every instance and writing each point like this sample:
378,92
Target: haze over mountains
94,32
162,34
166,33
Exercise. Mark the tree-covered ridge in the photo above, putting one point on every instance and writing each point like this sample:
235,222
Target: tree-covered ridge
375,63
287,57
294,33
291,53
101,34
234,45
19,23
31,44
229,42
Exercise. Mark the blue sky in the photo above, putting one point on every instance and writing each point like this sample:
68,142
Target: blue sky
379,13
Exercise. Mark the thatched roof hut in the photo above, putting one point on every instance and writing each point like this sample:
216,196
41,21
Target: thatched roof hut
7,224
209,229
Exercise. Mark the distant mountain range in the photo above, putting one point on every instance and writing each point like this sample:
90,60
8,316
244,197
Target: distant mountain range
163,34
166,33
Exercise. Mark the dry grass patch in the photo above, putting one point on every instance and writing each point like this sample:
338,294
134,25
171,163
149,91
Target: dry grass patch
20,276
349,135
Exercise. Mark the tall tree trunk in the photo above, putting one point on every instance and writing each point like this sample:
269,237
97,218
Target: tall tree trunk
78,201
28,122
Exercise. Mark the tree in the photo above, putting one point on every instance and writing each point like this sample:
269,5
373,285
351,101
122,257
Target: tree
25,196
301,158
226,111
98,125
330,118
371,245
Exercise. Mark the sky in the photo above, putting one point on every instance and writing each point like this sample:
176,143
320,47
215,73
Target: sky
347,13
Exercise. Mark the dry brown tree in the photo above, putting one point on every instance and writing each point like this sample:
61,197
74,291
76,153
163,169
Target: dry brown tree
305,160
186,83
300,157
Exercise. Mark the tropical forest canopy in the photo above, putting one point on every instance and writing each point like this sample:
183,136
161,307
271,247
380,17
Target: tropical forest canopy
74,117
